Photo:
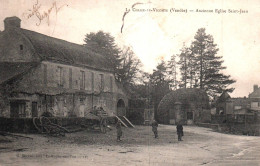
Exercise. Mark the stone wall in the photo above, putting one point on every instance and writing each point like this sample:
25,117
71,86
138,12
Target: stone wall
66,90
18,49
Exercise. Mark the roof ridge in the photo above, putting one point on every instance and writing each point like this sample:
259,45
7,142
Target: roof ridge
51,48
56,39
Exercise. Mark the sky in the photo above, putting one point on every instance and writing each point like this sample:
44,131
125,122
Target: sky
154,36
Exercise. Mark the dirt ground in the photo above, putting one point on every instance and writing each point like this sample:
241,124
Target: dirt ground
201,146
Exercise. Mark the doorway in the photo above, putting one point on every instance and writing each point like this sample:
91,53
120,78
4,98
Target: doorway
34,109
121,110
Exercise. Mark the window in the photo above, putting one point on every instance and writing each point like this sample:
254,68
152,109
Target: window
254,104
111,84
190,115
22,110
101,82
82,100
70,78
21,47
60,76
82,80
237,107
17,109
92,81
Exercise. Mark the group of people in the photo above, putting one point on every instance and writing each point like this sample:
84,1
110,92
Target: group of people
179,129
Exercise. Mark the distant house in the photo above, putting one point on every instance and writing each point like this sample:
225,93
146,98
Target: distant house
227,105
224,104
39,73
239,108
240,103
255,98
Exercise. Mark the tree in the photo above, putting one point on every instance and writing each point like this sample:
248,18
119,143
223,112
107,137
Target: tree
159,85
187,68
104,44
129,68
124,62
172,72
209,64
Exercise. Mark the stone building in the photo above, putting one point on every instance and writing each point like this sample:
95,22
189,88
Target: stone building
240,110
185,106
255,98
224,104
227,105
39,73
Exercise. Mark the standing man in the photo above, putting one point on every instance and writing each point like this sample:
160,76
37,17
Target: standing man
103,125
119,130
179,131
154,128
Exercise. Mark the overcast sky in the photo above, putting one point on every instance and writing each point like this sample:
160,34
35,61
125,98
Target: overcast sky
156,35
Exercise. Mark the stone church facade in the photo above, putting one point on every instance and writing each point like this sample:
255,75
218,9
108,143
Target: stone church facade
41,74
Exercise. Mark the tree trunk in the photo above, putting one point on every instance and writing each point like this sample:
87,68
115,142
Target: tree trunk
201,72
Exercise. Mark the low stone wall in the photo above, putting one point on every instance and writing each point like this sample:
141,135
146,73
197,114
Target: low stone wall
240,129
20,125
25,125
234,128
207,125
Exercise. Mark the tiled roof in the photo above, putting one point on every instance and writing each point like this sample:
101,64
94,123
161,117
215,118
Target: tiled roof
223,97
255,94
49,48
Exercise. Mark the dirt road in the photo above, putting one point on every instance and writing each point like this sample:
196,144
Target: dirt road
201,146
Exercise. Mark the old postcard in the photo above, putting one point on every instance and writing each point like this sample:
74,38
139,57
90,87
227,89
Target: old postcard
129,82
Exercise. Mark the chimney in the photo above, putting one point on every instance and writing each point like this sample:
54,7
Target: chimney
11,22
255,88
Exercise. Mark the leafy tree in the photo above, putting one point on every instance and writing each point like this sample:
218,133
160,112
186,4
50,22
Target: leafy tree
129,69
104,44
209,64
124,62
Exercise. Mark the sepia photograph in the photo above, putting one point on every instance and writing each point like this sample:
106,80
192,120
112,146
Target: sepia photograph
129,82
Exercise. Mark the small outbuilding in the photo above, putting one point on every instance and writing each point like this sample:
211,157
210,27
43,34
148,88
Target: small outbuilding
184,106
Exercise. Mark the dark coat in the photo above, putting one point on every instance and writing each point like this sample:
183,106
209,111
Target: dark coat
119,129
154,126
179,129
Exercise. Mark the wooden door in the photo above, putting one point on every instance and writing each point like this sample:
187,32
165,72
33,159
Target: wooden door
14,109
34,109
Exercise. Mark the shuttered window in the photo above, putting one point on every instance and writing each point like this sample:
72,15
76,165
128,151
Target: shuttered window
70,78
82,80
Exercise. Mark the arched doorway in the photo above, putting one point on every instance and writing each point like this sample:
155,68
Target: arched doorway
121,110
